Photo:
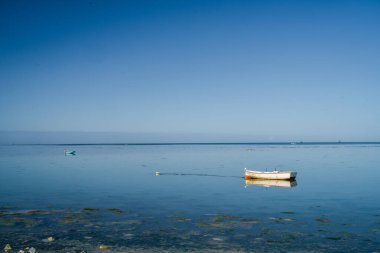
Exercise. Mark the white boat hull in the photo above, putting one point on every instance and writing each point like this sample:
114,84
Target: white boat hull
276,175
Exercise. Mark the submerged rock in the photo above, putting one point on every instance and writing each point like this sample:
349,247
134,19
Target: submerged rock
335,238
115,210
49,239
32,250
7,248
74,218
90,210
228,221
104,247
128,235
280,219
182,219
124,222
35,212
322,219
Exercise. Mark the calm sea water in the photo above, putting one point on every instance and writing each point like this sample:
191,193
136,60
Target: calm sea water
110,195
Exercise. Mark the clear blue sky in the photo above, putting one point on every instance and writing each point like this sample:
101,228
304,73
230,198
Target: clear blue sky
299,69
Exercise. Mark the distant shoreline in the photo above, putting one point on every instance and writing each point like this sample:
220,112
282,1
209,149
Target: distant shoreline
197,143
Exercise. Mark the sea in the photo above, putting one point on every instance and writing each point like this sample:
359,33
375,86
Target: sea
190,198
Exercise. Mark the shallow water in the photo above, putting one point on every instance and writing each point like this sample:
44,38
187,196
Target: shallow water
110,195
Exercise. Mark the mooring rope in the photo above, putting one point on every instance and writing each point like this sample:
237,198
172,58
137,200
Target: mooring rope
194,174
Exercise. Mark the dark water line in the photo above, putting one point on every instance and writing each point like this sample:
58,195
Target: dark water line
199,143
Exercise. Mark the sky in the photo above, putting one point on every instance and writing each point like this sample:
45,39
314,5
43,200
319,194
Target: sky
272,70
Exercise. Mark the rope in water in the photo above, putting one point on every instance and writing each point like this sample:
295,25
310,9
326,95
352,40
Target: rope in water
194,174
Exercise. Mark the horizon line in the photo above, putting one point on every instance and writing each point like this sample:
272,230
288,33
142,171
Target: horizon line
198,143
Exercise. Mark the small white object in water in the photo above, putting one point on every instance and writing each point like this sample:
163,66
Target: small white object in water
158,173
32,250
49,239
69,152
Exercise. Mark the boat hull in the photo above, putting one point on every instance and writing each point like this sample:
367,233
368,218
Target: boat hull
275,175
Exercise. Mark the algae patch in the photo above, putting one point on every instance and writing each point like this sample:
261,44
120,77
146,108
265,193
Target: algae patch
115,210
322,220
90,210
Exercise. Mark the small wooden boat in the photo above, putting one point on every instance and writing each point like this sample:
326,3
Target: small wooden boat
69,152
271,183
282,175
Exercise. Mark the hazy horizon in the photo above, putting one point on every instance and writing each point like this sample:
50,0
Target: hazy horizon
83,137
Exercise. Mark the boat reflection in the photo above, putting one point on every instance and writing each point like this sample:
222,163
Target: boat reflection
271,183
